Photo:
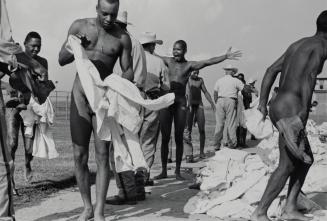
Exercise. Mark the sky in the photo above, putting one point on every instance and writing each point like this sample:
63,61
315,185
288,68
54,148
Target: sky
262,29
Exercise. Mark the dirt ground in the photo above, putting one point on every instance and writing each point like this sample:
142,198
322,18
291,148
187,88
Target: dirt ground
53,194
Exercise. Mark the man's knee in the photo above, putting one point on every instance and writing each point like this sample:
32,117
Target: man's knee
102,159
202,132
81,155
165,140
286,167
12,143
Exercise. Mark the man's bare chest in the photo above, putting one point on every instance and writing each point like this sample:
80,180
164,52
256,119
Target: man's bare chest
103,43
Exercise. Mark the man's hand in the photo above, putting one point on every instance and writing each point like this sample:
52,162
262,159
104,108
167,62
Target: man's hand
233,55
84,40
213,108
263,110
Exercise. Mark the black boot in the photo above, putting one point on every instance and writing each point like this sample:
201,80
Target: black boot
127,181
238,136
140,183
244,133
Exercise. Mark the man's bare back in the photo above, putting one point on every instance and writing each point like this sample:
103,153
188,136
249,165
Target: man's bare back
299,67
303,61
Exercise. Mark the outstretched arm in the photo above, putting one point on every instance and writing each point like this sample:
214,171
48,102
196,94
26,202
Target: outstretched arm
267,82
207,95
163,58
126,61
197,65
66,57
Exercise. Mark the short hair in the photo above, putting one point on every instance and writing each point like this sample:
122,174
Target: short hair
110,1
182,43
31,35
322,22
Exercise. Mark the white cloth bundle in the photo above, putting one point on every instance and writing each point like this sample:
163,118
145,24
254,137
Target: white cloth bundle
259,127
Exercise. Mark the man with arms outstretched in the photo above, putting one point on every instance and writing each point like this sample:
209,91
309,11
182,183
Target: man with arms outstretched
104,43
299,67
179,72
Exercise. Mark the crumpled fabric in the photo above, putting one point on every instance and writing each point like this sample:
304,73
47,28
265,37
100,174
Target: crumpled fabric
237,197
43,116
259,127
116,103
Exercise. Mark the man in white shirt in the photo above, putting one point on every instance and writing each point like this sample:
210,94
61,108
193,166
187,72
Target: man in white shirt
156,82
225,95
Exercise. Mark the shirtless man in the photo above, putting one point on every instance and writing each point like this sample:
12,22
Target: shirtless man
32,45
194,87
179,72
104,43
299,67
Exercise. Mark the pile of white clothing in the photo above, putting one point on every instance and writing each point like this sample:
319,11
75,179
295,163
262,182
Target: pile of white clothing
43,116
233,181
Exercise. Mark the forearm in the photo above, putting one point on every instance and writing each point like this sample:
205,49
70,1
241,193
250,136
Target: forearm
128,74
266,85
65,57
208,97
216,60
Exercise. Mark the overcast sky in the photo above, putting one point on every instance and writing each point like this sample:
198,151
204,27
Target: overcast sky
262,29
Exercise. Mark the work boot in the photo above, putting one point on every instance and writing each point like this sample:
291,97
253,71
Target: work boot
239,136
189,159
148,181
140,183
127,180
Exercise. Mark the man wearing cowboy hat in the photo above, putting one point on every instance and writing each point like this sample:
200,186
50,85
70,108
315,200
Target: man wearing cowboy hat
156,81
225,95
130,185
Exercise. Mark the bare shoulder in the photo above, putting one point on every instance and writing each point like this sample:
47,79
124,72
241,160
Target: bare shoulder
124,37
82,24
309,44
42,61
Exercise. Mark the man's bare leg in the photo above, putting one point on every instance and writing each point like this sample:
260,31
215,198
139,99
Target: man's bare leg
166,119
102,177
179,123
276,182
296,182
28,143
82,173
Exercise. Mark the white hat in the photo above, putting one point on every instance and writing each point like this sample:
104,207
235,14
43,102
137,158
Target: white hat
230,67
251,81
122,18
149,37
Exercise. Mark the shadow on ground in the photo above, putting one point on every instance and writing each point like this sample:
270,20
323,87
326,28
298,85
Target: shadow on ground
39,191
167,198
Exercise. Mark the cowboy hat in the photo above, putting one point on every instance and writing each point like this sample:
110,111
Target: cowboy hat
230,67
149,37
251,81
122,18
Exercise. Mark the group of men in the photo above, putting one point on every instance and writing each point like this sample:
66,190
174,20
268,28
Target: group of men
106,40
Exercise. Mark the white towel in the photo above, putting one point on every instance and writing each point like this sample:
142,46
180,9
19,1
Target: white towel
259,127
43,116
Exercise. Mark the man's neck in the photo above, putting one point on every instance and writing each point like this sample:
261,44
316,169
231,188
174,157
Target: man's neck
321,35
147,50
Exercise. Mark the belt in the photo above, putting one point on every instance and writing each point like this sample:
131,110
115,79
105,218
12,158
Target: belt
234,98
